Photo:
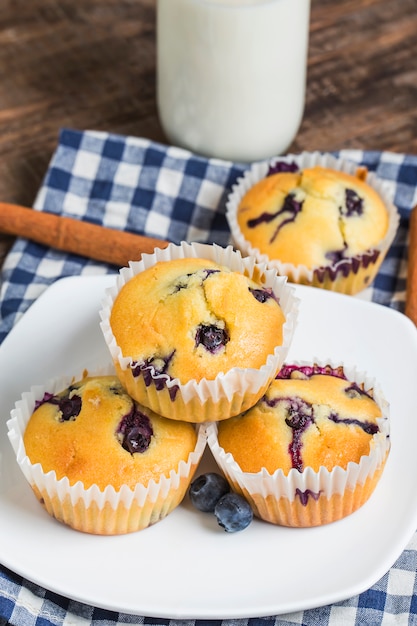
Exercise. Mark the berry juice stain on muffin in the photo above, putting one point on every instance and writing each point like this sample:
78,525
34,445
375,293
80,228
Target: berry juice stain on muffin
308,418
289,210
313,217
192,319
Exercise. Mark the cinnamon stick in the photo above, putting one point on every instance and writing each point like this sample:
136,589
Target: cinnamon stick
411,293
71,235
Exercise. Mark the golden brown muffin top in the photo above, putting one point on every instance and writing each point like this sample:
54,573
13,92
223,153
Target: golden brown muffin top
312,217
192,319
307,421
95,433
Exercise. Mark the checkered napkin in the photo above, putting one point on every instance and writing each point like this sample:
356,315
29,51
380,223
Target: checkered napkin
140,186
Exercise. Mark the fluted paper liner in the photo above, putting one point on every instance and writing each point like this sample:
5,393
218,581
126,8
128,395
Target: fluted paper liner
310,498
229,393
359,271
104,512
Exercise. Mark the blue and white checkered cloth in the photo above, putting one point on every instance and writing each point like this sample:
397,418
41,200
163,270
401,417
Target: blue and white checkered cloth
140,186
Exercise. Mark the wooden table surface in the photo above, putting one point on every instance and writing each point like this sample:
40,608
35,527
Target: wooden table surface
90,64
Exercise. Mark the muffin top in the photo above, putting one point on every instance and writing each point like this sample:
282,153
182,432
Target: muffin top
95,433
308,418
192,319
313,217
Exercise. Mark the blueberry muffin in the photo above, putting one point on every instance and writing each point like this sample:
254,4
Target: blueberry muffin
128,466
312,449
318,224
193,329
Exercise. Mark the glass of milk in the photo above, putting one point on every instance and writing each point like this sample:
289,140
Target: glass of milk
231,75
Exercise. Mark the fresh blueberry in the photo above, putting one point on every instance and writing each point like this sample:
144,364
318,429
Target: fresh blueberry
233,512
206,490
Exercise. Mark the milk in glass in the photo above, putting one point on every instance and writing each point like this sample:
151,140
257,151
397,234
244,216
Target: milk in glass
231,75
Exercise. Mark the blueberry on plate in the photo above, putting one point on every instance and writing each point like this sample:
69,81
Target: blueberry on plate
206,490
233,512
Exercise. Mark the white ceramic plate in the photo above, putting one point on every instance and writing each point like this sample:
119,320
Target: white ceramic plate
186,566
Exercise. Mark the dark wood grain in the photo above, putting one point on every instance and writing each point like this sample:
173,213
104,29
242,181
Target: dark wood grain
91,64
362,76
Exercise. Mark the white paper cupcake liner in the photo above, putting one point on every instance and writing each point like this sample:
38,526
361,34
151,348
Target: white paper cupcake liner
339,491
328,276
92,510
230,392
